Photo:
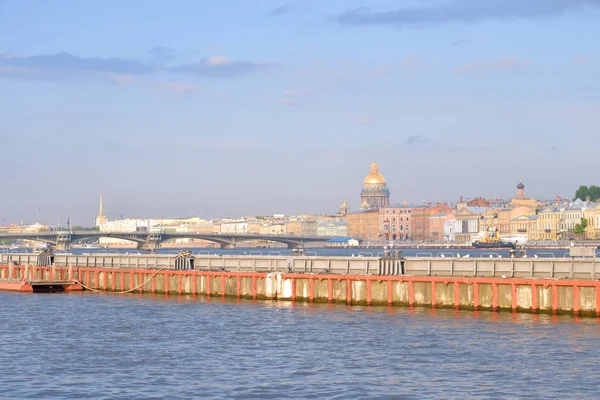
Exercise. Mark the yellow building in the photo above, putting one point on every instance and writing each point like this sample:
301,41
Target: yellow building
489,221
505,216
363,224
593,218
525,225
300,227
549,221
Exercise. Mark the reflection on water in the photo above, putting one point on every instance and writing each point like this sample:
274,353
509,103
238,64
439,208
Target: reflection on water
140,346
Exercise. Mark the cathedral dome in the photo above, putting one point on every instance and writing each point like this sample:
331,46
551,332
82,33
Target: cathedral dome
520,186
374,176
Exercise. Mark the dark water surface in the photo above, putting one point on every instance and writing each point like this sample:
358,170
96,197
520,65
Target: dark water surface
109,346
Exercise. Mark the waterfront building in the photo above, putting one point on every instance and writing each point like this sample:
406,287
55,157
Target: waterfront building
524,224
592,215
332,228
573,215
451,227
436,226
273,228
375,193
238,226
549,222
467,224
489,222
420,222
505,215
302,227
23,228
363,224
394,222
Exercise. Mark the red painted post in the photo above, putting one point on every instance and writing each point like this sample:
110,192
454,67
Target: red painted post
514,303
369,289
122,273
390,290
105,280
131,280
576,305
348,291
597,301
329,290
534,298
456,294
494,296
411,293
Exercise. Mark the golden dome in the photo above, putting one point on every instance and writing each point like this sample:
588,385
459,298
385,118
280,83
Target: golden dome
374,176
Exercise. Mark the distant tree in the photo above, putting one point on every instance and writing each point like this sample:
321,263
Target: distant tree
582,193
594,192
580,227
84,228
260,217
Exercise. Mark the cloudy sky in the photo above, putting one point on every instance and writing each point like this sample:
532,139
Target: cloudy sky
233,107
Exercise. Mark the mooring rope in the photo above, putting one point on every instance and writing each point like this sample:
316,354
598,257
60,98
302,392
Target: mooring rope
121,292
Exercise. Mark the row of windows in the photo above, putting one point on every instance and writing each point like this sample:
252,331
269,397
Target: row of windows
399,211
400,227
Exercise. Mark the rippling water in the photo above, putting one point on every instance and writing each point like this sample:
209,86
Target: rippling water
109,346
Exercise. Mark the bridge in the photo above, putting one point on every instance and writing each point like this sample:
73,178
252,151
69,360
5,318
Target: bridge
151,241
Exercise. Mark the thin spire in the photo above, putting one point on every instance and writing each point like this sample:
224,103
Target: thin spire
100,204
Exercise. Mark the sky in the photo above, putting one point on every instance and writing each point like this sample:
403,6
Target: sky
226,108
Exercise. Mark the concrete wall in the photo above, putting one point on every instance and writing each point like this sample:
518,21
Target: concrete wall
577,297
574,268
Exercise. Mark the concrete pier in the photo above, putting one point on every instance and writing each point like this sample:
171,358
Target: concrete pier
534,295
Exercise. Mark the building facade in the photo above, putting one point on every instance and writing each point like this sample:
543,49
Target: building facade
363,224
394,222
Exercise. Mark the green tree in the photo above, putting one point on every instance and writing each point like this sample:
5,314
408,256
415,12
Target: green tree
582,193
580,227
594,193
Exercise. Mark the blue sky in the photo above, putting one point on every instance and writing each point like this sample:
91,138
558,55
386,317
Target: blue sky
233,107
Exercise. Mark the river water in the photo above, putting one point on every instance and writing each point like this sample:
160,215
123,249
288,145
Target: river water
74,346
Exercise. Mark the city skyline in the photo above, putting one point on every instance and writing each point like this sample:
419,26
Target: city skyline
245,109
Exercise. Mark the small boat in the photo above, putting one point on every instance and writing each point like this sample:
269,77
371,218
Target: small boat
491,240
494,245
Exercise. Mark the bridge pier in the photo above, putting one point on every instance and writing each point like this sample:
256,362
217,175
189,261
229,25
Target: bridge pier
149,246
62,246
228,246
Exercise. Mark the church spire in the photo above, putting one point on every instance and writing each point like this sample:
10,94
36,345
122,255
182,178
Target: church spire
100,213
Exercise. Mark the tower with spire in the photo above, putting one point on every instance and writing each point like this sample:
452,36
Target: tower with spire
101,218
